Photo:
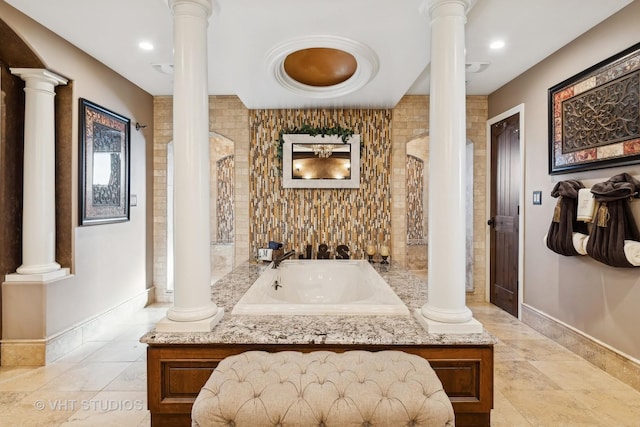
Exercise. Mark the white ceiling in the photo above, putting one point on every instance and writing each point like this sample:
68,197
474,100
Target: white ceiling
242,32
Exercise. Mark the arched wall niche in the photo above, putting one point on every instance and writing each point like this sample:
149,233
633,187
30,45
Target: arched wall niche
221,208
16,53
417,186
224,207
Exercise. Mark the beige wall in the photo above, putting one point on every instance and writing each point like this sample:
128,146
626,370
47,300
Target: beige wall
110,263
595,299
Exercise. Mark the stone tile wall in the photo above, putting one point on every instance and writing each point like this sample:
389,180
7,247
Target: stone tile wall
477,116
262,208
410,121
228,118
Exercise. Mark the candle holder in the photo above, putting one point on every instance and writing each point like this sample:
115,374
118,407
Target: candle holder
370,250
384,252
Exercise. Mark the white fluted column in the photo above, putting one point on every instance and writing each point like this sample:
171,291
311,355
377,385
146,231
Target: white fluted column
193,309
446,310
38,210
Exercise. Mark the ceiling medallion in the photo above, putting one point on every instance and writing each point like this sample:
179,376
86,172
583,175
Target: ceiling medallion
322,66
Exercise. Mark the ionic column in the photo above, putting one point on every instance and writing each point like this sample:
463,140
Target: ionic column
445,310
193,309
38,210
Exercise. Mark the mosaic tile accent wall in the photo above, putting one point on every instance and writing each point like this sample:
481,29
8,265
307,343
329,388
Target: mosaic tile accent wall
415,191
297,217
225,199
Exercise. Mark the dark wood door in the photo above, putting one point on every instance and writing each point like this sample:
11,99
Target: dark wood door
505,196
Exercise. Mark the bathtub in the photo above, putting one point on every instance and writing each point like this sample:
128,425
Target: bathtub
320,287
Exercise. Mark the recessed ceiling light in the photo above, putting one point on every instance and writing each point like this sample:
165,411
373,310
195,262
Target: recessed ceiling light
498,44
145,46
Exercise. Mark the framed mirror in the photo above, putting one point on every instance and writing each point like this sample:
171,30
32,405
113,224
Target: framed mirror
320,162
104,165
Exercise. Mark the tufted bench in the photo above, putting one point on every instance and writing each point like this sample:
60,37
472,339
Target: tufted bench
322,388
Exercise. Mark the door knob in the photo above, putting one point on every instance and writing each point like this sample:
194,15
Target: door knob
491,222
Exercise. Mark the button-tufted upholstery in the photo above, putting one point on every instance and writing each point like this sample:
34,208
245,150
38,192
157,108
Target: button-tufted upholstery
322,388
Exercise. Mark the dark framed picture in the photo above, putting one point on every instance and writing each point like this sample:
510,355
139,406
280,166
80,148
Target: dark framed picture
104,165
594,116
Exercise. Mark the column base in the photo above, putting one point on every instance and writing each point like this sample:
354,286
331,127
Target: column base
204,325
38,268
37,277
434,327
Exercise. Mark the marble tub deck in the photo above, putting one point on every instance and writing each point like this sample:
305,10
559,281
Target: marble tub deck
307,329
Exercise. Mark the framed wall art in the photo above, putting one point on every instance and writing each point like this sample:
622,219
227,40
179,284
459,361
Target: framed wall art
104,165
594,116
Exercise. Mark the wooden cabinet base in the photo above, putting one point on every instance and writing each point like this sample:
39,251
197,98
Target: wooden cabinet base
177,372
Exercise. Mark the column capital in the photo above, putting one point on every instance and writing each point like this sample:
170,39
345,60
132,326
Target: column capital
429,6
209,6
39,75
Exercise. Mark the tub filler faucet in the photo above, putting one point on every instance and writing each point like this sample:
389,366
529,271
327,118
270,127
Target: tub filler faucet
277,261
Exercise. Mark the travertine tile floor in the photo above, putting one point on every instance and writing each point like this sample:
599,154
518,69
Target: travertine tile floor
103,383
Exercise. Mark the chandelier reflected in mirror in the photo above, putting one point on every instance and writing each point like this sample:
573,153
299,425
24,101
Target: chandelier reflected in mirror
323,151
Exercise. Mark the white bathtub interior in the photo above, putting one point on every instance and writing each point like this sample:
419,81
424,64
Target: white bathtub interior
320,287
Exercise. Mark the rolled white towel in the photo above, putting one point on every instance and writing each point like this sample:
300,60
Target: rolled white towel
586,205
580,242
632,252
